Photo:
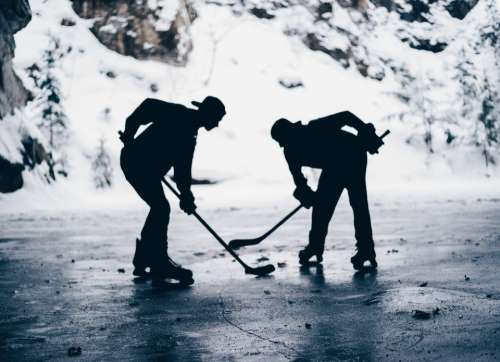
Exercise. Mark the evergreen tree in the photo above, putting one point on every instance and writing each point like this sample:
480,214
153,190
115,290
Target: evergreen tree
417,94
466,75
54,119
489,120
466,105
101,167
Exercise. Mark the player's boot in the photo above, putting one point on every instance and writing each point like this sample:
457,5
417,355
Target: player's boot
361,256
166,268
308,252
141,259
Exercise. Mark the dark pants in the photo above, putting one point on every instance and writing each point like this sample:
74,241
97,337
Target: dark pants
148,186
330,186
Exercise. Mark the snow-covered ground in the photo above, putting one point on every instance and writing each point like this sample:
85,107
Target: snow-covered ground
240,59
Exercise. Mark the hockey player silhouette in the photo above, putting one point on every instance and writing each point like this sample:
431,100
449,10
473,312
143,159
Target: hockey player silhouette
169,141
342,157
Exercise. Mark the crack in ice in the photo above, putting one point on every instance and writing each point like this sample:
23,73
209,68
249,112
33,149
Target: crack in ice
246,331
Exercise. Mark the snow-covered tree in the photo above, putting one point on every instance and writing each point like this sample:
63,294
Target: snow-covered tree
422,109
102,167
54,120
489,120
466,74
490,34
477,103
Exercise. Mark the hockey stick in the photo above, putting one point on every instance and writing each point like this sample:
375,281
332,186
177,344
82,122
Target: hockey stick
260,271
385,134
238,243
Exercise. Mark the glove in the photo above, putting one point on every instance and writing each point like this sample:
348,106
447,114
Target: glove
187,205
305,195
125,138
369,139
369,128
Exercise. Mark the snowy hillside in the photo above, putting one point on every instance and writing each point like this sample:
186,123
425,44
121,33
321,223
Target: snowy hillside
360,60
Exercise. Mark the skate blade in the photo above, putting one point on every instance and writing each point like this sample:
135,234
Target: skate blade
141,279
171,284
308,263
363,273
140,273
365,268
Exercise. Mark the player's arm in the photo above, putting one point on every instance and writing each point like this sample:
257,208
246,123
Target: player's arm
148,111
296,170
302,192
338,120
183,177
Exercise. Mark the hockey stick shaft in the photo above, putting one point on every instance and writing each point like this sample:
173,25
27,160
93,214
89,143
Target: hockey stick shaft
284,220
237,243
212,231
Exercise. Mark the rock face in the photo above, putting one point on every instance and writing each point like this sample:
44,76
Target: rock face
416,10
11,178
142,29
460,8
341,28
14,15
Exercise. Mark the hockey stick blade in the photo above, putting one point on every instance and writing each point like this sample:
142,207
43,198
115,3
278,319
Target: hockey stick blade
261,270
238,243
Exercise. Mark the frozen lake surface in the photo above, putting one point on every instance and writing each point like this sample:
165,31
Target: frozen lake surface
60,286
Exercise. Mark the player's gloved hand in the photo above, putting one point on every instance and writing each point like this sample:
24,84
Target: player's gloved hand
187,205
125,138
369,128
305,195
369,139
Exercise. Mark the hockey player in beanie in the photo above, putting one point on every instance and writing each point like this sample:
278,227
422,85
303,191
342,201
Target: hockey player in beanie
168,142
342,158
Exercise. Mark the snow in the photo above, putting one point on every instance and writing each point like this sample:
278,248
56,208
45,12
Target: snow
341,17
166,11
250,56
108,28
10,139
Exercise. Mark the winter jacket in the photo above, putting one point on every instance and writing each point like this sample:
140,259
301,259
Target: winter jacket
323,144
169,141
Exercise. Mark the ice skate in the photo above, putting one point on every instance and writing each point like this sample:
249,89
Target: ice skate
168,269
359,259
307,253
141,259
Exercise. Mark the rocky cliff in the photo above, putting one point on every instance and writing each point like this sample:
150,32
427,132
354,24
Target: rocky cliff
142,29
159,29
14,15
342,29
19,148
